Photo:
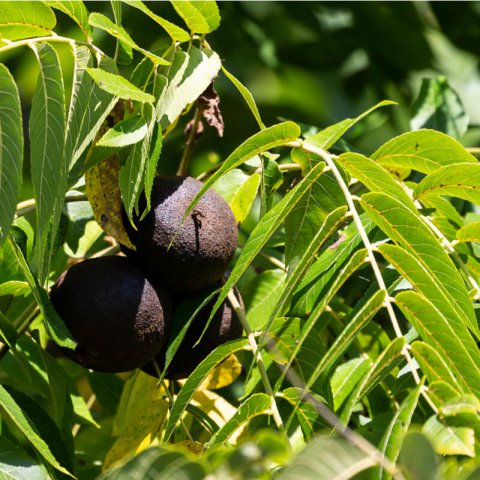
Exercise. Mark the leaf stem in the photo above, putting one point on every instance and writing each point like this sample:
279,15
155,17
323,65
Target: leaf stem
257,357
187,153
49,38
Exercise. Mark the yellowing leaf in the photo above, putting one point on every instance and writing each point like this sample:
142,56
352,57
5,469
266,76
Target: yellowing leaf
215,406
139,392
222,375
139,434
104,195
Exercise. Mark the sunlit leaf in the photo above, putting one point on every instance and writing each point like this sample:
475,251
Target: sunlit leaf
422,150
175,32
247,96
449,440
118,86
456,346
257,404
346,377
55,324
139,434
200,17
47,158
32,19
11,150
408,231
16,464
101,21
188,77
460,180
469,232
328,137
127,132
13,411
75,10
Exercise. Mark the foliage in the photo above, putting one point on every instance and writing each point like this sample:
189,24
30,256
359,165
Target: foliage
360,268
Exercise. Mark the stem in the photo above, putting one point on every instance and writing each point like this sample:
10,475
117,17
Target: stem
370,257
473,150
107,252
29,205
187,153
257,357
274,261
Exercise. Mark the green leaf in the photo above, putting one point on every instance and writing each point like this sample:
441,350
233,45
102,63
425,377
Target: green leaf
200,17
151,167
15,464
330,135
374,176
427,283
75,10
272,179
417,457
306,413
176,33
266,228
47,156
257,404
88,109
409,232
449,440
422,150
11,150
397,429
118,86
439,107
297,271
247,96
460,180
239,191
327,458
13,411
15,288
360,316
434,366
132,173
327,267
391,356
303,223
346,377
271,137
8,333
189,76
455,345
158,464
195,380
469,232
261,295
354,262
24,20
101,21
127,132
55,325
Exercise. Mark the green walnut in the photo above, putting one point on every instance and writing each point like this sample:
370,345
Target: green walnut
117,316
203,244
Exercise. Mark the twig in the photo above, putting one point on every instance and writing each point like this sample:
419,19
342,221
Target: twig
29,205
187,153
257,357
